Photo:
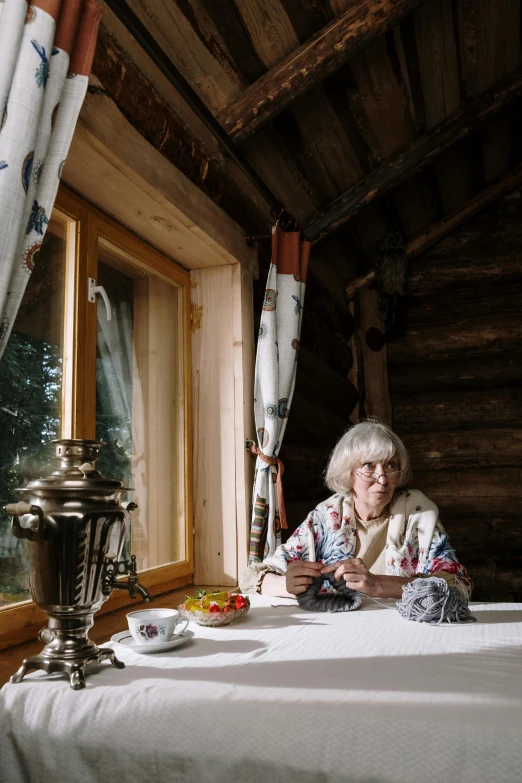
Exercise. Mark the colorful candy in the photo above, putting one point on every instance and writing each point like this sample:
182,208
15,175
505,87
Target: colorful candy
217,601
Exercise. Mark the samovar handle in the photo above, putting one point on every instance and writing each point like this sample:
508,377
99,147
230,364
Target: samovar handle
35,523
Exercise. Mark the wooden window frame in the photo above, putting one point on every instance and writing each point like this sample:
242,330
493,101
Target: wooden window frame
85,226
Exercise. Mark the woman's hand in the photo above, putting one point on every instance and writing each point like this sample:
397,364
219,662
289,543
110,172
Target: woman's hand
356,576
300,574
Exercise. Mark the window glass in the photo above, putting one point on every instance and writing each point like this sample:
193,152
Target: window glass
69,371
139,402
31,398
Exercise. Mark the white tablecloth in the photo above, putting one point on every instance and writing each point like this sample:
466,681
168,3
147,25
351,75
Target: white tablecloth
285,695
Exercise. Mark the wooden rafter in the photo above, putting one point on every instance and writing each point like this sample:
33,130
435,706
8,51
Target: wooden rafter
140,103
448,224
310,64
417,155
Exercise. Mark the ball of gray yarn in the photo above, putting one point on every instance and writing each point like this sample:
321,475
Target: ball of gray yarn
433,601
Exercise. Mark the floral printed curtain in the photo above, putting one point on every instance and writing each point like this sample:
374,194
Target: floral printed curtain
276,363
46,52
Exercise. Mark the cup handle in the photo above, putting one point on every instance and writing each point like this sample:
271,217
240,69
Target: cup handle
178,633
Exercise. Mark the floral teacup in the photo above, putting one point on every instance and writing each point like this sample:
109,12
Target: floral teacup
150,626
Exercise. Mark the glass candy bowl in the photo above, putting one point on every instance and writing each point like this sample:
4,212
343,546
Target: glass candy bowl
215,609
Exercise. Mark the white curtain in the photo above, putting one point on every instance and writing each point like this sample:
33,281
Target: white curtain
46,52
114,378
276,363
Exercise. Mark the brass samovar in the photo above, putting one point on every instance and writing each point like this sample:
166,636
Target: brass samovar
73,525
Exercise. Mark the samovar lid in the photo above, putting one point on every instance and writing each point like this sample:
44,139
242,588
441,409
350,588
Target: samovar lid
77,470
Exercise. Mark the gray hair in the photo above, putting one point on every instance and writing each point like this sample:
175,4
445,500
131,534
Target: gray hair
368,441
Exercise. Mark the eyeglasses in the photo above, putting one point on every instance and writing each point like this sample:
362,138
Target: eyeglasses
369,476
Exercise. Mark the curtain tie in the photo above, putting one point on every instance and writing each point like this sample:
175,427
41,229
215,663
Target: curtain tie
280,470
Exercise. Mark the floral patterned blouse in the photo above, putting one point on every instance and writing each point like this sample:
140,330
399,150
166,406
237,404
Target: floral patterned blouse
416,544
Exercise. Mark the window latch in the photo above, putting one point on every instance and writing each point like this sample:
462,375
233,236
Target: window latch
99,289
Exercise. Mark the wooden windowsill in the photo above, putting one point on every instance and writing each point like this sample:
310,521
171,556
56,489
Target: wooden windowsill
104,627
21,623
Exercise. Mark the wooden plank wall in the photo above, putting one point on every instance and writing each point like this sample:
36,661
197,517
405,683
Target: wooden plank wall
455,376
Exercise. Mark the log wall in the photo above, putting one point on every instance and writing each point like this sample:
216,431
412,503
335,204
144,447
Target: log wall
455,378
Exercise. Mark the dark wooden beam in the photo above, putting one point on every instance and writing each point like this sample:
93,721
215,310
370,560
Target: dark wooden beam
447,224
456,217
417,155
364,281
310,64
141,104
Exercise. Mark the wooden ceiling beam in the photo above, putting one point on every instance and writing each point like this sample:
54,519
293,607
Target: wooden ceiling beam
140,103
310,64
454,219
448,224
417,155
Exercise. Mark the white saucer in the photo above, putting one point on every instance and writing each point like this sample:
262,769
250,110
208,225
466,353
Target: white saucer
125,639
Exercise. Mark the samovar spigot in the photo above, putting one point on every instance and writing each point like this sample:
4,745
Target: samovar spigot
113,568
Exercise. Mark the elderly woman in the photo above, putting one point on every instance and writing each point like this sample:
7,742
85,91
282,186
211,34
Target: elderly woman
373,532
